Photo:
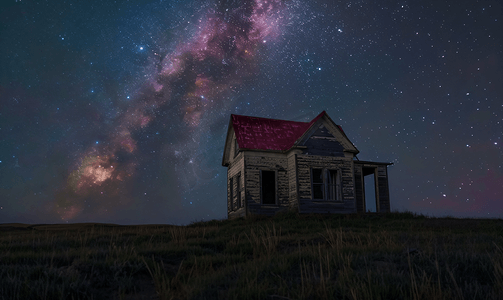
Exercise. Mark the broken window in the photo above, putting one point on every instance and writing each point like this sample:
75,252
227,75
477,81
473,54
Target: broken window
334,185
268,187
317,183
326,184
238,191
231,193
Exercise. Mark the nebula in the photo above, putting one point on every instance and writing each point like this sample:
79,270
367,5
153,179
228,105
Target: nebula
193,79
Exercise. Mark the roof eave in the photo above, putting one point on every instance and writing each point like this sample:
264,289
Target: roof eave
373,162
262,150
224,161
356,151
352,151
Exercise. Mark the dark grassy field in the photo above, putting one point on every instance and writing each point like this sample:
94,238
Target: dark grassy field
390,256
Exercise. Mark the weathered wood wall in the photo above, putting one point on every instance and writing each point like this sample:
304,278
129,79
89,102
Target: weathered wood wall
359,189
293,193
235,168
322,142
383,188
343,165
255,162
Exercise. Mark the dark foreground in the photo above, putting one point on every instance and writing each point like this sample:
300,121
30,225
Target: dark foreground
393,256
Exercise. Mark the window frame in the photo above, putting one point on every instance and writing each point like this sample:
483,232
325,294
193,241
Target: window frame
238,190
333,186
231,193
330,186
313,184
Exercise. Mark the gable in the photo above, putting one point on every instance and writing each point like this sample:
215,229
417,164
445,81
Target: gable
322,142
324,137
232,148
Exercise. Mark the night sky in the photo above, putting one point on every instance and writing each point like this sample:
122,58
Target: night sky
117,112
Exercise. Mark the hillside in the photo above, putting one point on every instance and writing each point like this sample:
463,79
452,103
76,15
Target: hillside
390,256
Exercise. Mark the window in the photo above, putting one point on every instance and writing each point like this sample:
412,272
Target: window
318,186
231,193
326,185
238,190
334,185
268,187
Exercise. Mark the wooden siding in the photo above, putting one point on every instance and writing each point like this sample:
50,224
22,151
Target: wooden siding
268,210
383,189
255,162
359,189
342,164
232,150
293,183
322,142
293,194
324,207
236,167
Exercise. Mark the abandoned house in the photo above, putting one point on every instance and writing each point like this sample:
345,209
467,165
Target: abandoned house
277,165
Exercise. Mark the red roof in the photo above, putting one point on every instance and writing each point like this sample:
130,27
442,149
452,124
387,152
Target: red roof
268,134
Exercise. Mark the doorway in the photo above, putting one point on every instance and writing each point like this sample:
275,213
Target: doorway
268,186
370,189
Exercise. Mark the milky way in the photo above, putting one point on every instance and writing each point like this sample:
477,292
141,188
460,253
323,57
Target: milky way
192,80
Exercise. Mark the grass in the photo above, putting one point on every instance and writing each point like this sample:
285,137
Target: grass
289,256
